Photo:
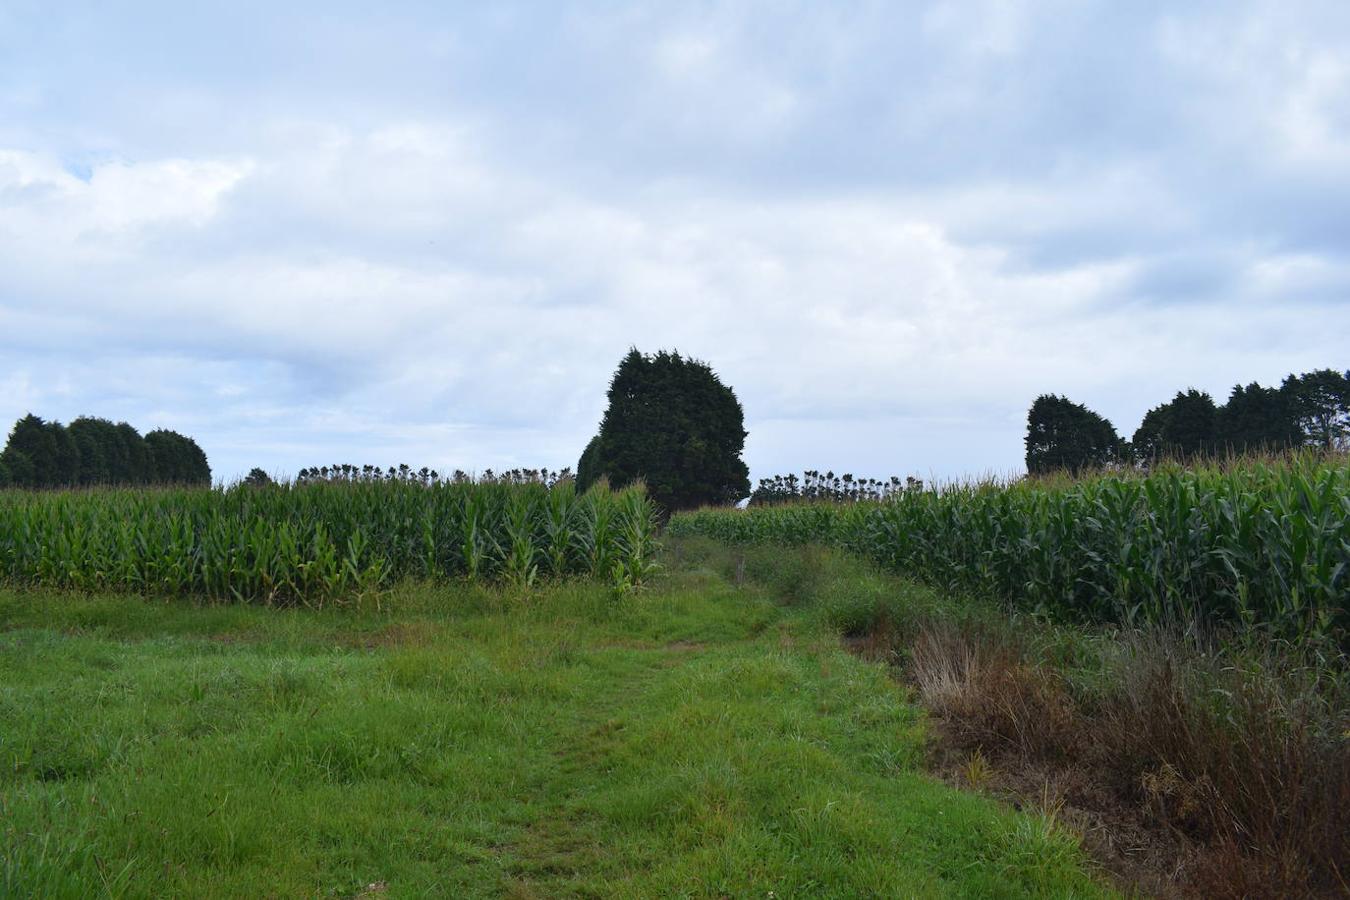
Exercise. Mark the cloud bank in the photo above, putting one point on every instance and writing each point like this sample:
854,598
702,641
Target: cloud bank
338,234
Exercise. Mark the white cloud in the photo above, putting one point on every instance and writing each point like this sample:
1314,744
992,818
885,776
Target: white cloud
48,213
888,263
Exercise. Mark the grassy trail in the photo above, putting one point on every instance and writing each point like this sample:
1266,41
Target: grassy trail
697,739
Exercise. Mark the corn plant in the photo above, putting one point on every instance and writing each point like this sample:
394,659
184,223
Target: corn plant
518,565
1262,543
321,540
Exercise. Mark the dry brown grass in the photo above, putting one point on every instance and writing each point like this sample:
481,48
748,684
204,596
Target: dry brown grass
1246,760
1242,771
980,680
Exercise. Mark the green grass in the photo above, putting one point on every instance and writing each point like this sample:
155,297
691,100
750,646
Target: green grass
693,739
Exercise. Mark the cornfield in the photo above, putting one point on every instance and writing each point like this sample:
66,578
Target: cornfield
320,542
1261,543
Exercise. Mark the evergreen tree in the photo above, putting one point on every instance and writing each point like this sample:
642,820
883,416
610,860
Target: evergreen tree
66,461
175,459
95,451
1147,442
37,443
672,423
1320,402
133,457
92,438
1191,428
1186,427
198,469
1063,435
1256,418
16,469
589,467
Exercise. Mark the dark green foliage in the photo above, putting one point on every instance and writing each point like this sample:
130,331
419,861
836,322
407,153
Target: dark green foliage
1063,435
105,451
673,424
135,456
93,459
1308,409
96,452
1147,442
1257,419
175,459
1187,427
32,438
1191,426
257,477
16,469
589,467
1320,402
66,461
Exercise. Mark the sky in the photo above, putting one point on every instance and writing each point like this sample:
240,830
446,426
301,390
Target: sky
379,233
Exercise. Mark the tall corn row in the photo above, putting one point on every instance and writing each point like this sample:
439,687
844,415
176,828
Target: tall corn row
1264,543
314,543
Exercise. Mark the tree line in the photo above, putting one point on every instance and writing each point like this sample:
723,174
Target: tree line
92,451
1308,410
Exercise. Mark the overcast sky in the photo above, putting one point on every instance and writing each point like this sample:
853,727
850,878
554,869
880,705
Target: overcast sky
383,233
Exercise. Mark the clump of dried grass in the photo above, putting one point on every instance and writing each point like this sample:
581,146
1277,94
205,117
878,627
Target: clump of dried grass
1243,757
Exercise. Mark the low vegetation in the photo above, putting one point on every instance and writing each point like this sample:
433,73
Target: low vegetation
1262,545
1190,769
697,739
320,542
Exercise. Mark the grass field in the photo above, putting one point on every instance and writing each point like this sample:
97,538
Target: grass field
693,739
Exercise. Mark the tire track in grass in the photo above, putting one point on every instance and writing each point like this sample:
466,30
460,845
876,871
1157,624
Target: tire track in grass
561,848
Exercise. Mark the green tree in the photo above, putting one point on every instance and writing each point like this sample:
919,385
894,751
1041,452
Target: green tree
16,469
674,424
33,439
66,461
1186,427
1320,402
91,438
133,457
1063,435
176,459
1147,442
589,467
1191,428
198,469
94,451
1256,418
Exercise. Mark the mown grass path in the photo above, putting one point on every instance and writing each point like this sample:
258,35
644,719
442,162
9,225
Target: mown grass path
696,739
